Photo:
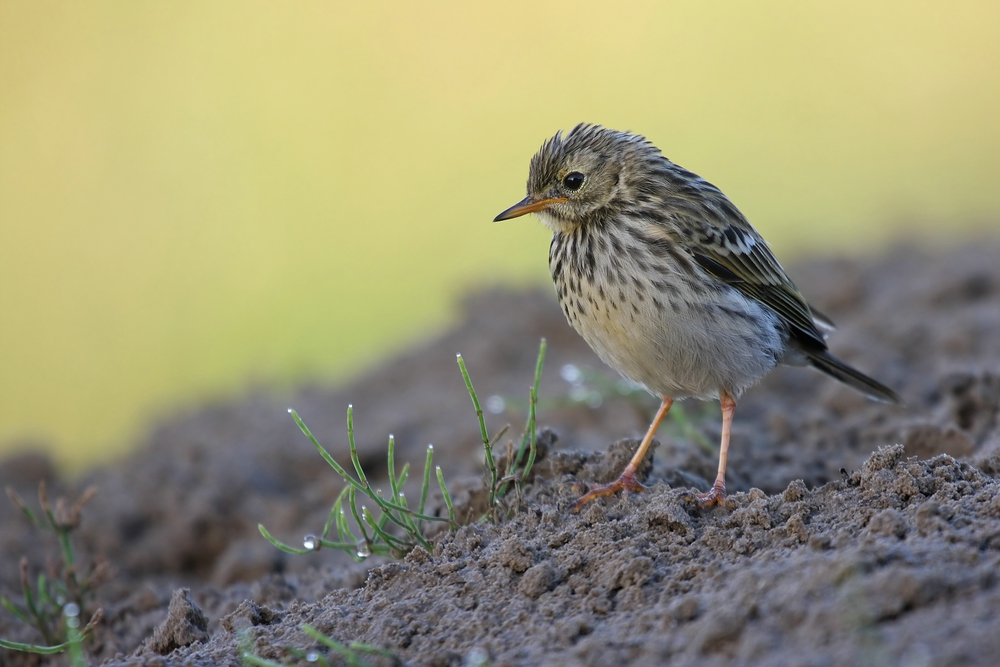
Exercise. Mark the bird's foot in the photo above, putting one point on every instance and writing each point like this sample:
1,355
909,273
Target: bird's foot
716,496
627,482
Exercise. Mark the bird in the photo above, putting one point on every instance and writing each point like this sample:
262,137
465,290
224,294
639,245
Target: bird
669,283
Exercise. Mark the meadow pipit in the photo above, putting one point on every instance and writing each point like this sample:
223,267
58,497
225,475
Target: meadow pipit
667,281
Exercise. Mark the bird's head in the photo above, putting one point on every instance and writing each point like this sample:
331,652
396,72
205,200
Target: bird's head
574,177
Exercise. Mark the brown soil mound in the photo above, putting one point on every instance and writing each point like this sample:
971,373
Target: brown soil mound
856,533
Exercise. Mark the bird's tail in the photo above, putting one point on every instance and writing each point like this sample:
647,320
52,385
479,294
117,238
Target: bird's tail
836,368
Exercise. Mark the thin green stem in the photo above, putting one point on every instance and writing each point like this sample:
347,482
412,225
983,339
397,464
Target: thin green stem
251,659
29,601
532,411
343,528
67,551
404,475
447,496
391,465
339,546
426,484
529,429
330,520
33,648
347,654
322,450
12,608
391,541
354,449
19,502
351,501
482,430
77,636
364,488
281,545
374,650
74,638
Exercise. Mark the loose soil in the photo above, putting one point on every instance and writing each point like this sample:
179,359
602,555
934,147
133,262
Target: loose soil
856,533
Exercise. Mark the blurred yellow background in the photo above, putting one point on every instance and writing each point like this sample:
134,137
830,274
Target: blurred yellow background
199,195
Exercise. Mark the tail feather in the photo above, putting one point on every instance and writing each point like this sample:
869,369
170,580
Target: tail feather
837,369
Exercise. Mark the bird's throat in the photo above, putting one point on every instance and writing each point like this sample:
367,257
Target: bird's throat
556,223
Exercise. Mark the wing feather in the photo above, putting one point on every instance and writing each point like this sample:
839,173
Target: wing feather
724,244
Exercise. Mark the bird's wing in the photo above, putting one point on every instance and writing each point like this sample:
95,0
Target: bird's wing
725,245
823,323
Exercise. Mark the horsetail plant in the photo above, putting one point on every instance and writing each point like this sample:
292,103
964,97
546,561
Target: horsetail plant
377,536
54,602
518,466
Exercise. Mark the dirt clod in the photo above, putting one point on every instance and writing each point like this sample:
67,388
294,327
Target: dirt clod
184,625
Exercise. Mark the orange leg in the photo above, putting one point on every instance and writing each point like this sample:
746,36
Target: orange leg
627,480
718,492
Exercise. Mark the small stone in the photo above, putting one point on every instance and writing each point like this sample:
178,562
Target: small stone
561,539
796,527
184,625
888,522
515,555
685,609
538,579
928,517
796,491
819,542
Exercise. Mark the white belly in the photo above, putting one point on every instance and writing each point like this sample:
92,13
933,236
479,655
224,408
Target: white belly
692,348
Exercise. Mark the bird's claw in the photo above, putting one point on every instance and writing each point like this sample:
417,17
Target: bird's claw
715,496
627,482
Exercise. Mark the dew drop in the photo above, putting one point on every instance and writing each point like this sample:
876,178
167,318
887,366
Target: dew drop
595,399
364,551
312,656
430,448
496,404
311,542
477,657
624,387
290,410
72,613
571,374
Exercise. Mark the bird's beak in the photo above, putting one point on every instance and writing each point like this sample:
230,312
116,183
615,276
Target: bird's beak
528,205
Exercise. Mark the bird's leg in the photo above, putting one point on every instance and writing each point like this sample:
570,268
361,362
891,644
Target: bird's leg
718,491
627,480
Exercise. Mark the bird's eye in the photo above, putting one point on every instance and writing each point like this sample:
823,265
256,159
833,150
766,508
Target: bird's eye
573,180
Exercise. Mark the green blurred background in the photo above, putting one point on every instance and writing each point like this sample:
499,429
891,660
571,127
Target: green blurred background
198,196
